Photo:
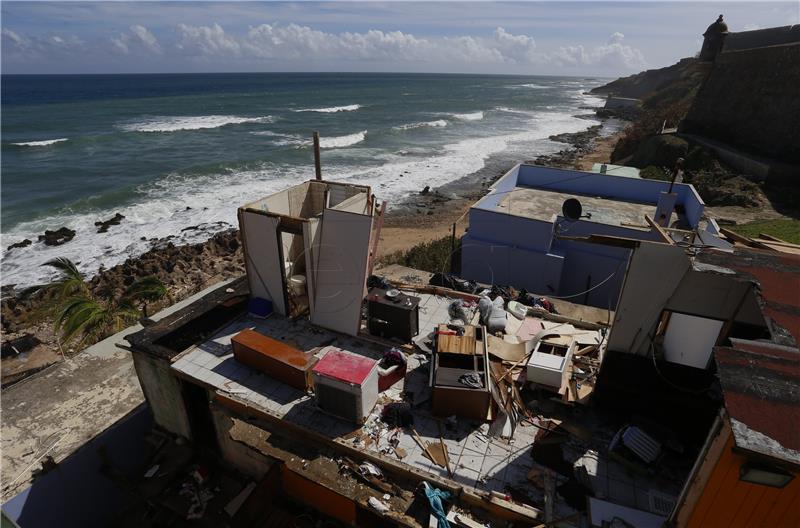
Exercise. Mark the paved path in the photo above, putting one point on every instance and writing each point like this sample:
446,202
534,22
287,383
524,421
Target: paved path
59,409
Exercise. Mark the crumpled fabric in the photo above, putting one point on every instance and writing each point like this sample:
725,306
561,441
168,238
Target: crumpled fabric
393,357
435,497
493,316
471,379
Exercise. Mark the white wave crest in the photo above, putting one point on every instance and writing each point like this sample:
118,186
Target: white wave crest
514,111
473,116
408,126
179,123
530,85
331,109
44,143
343,141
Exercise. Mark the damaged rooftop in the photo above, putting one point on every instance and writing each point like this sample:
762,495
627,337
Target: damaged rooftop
385,389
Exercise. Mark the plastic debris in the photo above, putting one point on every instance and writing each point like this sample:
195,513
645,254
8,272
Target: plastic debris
378,505
368,468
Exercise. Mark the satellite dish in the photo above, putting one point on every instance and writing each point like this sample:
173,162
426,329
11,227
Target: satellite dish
572,209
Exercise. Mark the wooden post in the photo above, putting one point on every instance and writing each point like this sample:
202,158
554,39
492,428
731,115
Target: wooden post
317,163
452,246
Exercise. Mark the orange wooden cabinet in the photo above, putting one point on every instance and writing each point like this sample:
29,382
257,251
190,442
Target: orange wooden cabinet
274,358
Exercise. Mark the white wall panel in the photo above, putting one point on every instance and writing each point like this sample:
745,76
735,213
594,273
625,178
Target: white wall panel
341,270
263,257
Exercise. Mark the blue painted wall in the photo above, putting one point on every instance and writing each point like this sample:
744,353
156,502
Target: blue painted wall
504,249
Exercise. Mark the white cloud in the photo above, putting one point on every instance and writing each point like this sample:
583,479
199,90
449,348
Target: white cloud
266,46
613,54
48,46
147,39
295,42
138,38
206,41
11,38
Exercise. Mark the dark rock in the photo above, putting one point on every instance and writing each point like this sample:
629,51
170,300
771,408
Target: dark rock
105,224
426,190
24,243
57,237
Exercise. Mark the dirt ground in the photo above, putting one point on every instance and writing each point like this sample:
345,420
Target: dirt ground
402,232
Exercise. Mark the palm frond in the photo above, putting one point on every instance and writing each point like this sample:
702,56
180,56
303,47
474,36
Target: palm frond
91,319
146,289
69,283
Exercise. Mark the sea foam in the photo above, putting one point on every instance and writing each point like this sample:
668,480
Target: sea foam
472,116
343,141
331,109
179,123
44,143
422,124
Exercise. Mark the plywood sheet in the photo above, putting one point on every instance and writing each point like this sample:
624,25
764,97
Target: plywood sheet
263,260
341,270
455,344
506,350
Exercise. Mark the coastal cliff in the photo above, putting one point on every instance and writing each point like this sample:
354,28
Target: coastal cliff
642,85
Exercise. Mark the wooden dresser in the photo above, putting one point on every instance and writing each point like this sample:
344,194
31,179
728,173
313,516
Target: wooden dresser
274,358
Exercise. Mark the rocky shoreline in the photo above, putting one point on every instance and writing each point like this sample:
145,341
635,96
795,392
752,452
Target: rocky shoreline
187,269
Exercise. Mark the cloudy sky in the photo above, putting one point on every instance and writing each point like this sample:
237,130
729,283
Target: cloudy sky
566,38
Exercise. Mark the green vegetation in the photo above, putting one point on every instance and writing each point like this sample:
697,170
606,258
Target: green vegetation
433,256
787,229
651,172
80,314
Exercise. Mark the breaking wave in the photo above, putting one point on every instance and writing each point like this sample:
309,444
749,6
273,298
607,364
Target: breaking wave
175,124
331,109
343,141
473,116
409,126
44,143
531,85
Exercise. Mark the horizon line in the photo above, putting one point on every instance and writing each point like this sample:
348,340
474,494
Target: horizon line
4,74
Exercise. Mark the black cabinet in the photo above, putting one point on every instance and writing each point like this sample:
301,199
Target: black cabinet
392,316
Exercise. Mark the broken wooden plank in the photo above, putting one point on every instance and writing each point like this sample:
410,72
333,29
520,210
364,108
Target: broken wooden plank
658,229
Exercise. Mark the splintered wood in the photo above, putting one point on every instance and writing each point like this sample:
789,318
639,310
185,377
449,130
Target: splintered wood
435,452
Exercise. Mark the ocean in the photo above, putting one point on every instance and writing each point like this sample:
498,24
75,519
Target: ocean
175,151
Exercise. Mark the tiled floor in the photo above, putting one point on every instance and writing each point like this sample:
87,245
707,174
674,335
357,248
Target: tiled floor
476,460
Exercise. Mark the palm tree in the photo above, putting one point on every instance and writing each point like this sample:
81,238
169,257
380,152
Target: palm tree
146,290
78,312
92,318
70,281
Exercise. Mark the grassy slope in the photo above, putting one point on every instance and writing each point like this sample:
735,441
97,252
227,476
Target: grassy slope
787,229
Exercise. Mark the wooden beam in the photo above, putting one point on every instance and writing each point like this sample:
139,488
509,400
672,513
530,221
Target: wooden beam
736,237
657,228
770,242
317,161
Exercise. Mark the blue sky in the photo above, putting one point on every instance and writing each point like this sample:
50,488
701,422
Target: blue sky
558,38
